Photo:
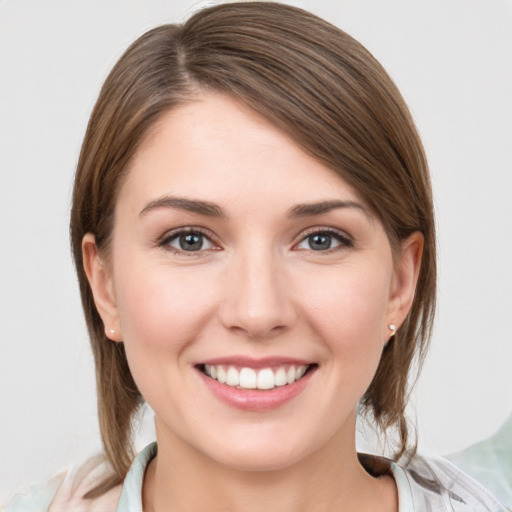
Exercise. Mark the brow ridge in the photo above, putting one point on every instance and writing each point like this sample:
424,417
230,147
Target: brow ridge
210,209
191,205
321,207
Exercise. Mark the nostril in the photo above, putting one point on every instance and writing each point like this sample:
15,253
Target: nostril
258,332
257,305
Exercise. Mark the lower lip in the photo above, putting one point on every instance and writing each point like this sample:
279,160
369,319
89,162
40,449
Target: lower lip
254,399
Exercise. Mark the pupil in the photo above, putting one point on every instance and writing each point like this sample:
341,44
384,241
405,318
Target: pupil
191,242
320,242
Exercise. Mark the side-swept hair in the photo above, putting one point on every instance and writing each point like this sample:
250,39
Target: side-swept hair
322,88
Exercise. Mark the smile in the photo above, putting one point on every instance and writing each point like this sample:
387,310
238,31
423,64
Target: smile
250,378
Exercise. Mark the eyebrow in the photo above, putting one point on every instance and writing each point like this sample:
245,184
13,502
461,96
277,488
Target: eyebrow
311,209
190,205
212,210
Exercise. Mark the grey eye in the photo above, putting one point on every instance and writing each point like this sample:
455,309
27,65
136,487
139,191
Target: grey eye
324,241
320,242
190,242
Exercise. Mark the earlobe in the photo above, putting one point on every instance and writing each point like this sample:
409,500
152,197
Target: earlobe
100,281
405,278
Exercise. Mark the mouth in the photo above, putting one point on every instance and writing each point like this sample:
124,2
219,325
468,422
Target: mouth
264,379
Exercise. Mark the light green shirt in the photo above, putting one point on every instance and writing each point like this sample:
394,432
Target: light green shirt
478,479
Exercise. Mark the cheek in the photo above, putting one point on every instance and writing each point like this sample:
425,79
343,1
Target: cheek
161,309
161,312
346,311
349,309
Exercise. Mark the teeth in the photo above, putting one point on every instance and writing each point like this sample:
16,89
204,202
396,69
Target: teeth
266,379
221,375
280,377
232,377
248,378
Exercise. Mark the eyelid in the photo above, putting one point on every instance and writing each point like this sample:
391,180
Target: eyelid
164,240
341,236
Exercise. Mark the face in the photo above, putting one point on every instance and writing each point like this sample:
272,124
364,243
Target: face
251,286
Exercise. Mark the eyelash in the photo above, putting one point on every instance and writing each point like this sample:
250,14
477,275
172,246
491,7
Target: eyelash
165,241
344,240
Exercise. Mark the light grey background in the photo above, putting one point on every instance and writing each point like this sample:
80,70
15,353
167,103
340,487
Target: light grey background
452,60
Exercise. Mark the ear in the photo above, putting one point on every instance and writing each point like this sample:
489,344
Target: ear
100,281
405,278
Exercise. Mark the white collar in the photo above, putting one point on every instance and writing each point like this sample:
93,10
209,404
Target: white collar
425,485
131,494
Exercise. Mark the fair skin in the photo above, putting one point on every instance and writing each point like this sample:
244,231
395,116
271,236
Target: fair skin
233,248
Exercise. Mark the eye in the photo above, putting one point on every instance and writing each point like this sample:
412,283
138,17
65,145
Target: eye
324,240
188,241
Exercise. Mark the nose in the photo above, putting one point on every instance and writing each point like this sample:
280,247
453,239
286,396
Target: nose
258,302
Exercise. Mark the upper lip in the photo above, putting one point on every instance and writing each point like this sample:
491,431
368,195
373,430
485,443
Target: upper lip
249,362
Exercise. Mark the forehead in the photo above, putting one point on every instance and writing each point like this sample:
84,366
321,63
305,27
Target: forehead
215,145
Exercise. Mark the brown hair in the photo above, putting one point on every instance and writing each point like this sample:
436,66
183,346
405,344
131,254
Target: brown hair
318,85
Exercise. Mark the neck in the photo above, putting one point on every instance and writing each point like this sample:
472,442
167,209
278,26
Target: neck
329,480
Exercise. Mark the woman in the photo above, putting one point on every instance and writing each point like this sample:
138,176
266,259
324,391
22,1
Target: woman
253,233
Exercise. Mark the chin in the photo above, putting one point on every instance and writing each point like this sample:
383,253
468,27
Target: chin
263,450
258,460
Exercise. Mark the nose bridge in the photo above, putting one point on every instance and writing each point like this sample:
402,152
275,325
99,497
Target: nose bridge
257,303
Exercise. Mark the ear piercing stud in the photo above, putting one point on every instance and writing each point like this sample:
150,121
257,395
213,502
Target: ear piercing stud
392,328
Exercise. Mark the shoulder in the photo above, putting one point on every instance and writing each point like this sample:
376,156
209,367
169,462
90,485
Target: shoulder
490,462
478,479
38,498
436,484
64,493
